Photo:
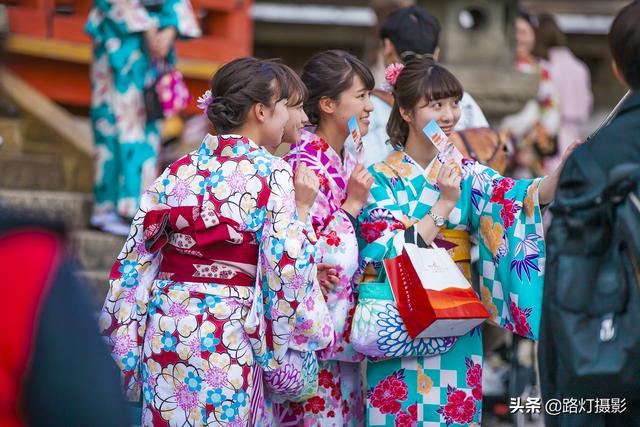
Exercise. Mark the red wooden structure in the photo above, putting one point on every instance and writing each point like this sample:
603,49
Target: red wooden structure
48,48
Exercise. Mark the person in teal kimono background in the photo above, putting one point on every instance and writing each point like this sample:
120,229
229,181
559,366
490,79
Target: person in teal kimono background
438,381
127,38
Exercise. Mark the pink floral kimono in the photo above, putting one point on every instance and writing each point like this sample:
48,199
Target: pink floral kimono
339,401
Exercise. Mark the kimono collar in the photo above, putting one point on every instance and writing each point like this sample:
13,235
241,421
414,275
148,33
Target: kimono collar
309,141
227,145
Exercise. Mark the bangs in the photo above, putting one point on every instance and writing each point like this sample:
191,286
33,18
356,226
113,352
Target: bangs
361,70
296,89
439,83
279,82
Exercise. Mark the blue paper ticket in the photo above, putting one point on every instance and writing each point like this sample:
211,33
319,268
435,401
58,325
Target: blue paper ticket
354,133
438,138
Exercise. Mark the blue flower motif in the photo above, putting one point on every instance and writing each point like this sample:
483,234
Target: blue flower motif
130,280
229,412
277,249
130,361
169,342
240,148
127,267
215,397
209,302
209,343
193,381
394,340
215,178
240,398
263,167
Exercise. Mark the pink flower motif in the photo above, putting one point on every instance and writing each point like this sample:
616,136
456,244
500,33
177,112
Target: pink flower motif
187,399
178,311
386,394
460,408
122,345
508,213
392,72
474,373
521,319
215,377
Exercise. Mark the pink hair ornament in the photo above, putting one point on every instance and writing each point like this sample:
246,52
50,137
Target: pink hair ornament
391,74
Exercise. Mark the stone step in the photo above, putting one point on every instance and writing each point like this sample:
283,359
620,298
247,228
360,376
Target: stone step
33,172
95,250
73,209
97,285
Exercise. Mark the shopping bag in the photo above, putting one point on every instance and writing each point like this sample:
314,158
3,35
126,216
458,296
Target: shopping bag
433,297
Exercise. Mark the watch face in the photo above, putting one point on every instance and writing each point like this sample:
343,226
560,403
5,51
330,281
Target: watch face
440,222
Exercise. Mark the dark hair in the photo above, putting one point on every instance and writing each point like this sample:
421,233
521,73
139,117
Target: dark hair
240,84
421,79
330,73
548,35
297,90
624,41
413,31
531,19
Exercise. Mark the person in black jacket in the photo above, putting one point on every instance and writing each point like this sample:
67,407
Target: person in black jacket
614,144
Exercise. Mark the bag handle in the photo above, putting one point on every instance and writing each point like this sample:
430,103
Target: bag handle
415,238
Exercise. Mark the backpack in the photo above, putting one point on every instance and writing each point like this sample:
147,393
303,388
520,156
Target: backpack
591,306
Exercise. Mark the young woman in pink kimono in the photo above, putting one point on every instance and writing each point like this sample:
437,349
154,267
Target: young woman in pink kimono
339,85
204,295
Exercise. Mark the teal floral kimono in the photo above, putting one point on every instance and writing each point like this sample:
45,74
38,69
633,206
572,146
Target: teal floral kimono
126,142
438,382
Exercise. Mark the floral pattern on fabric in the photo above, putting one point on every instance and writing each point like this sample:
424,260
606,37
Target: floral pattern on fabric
505,215
196,347
342,403
127,143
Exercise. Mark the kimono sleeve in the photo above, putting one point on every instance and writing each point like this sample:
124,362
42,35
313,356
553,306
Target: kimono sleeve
125,16
506,216
382,224
285,274
126,307
179,14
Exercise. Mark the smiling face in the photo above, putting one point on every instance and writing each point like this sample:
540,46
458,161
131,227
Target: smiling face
275,120
445,111
297,120
525,38
354,101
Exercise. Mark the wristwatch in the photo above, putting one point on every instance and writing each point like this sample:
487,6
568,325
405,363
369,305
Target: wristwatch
437,219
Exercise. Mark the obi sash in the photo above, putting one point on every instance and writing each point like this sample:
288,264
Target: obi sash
198,245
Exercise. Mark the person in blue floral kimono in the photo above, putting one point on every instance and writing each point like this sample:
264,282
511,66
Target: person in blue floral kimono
418,194
127,38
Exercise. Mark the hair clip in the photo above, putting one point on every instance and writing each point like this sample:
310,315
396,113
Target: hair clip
391,74
204,101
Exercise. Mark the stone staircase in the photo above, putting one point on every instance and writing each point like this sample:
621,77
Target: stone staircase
43,174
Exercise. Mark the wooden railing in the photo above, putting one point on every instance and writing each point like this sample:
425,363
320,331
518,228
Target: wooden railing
49,49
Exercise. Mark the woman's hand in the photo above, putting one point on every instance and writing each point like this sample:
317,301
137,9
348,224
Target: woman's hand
549,183
358,187
306,186
327,277
162,42
448,180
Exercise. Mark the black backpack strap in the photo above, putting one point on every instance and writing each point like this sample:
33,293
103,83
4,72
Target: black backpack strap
596,177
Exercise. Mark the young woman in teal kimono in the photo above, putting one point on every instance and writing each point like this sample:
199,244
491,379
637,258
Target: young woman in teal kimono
127,37
438,381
